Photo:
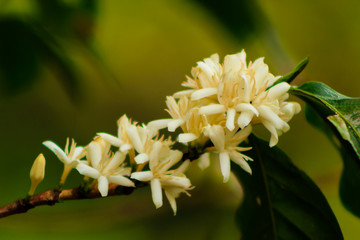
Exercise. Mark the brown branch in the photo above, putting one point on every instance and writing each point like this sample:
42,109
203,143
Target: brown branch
53,196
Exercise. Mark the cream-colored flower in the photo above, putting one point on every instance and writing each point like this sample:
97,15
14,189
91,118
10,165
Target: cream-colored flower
161,176
226,145
206,75
142,138
122,141
70,157
244,94
104,166
132,136
179,111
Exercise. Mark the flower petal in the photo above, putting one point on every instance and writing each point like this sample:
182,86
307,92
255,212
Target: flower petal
186,137
183,167
204,161
126,147
57,150
159,124
182,93
115,161
156,192
111,139
171,195
243,134
217,135
230,119
246,107
94,154
174,124
206,69
274,136
78,152
121,180
269,115
144,176
141,158
242,163
135,138
244,119
225,165
173,158
86,170
212,109
103,186
278,90
202,93
176,181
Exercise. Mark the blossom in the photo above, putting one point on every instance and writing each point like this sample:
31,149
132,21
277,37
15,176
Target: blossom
132,137
105,166
70,157
179,111
122,141
160,176
232,95
246,95
207,75
226,144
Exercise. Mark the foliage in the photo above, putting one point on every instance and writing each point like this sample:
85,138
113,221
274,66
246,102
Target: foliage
340,115
281,201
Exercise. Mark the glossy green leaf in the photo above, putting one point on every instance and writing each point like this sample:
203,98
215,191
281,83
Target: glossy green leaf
341,116
293,74
280,201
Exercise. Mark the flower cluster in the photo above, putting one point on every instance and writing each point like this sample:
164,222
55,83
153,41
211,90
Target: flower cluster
136,146
224,102
216,114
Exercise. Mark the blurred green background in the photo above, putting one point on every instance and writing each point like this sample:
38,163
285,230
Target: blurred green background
72,68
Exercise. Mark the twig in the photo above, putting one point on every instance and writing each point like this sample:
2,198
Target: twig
53,196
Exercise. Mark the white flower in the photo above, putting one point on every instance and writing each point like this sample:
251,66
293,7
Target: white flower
142,140
206,75
70,157
161,177
227,146
178,111
122,140
105,167
243,93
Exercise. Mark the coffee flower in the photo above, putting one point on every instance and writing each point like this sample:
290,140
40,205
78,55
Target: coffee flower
123,140
242,93
161,176
226,145
70,157
105,167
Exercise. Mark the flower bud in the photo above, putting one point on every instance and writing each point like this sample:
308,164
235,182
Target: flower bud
37,173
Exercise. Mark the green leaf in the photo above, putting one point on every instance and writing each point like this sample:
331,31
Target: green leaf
293,74
341,116
280,201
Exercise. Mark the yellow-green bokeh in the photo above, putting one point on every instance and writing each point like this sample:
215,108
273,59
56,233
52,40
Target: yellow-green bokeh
143,51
